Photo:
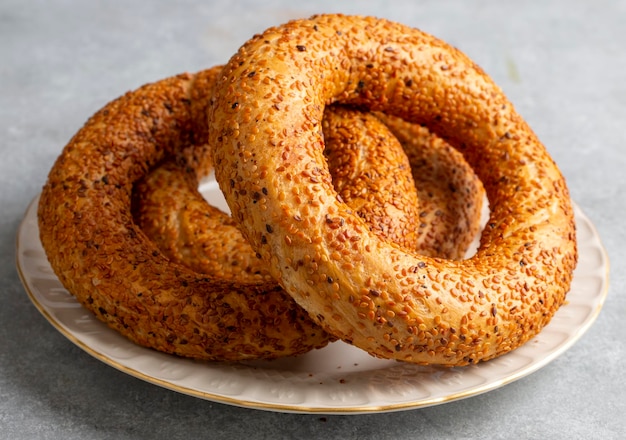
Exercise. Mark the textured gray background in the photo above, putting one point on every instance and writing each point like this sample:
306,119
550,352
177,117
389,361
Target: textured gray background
562,63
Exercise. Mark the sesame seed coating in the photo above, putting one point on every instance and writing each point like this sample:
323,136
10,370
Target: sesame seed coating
371,173
450,193
106,261
386,300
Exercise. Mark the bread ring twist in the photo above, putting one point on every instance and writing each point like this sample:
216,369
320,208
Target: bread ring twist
390,302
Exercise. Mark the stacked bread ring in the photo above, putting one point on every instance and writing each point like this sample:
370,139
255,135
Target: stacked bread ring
265,110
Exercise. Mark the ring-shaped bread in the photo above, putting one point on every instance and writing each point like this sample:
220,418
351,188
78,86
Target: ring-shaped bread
264,127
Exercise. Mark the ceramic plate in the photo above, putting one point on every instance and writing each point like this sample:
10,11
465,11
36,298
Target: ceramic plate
338,379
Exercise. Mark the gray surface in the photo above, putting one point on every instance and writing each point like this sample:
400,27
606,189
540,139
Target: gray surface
561,62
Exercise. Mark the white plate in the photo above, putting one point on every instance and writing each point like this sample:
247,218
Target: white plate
338,379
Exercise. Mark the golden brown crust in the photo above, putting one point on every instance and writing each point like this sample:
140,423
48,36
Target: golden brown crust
104,259
370,172
170,210
230,258
173,214
390,302
450,193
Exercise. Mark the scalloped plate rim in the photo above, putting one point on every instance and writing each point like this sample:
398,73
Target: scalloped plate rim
133,367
